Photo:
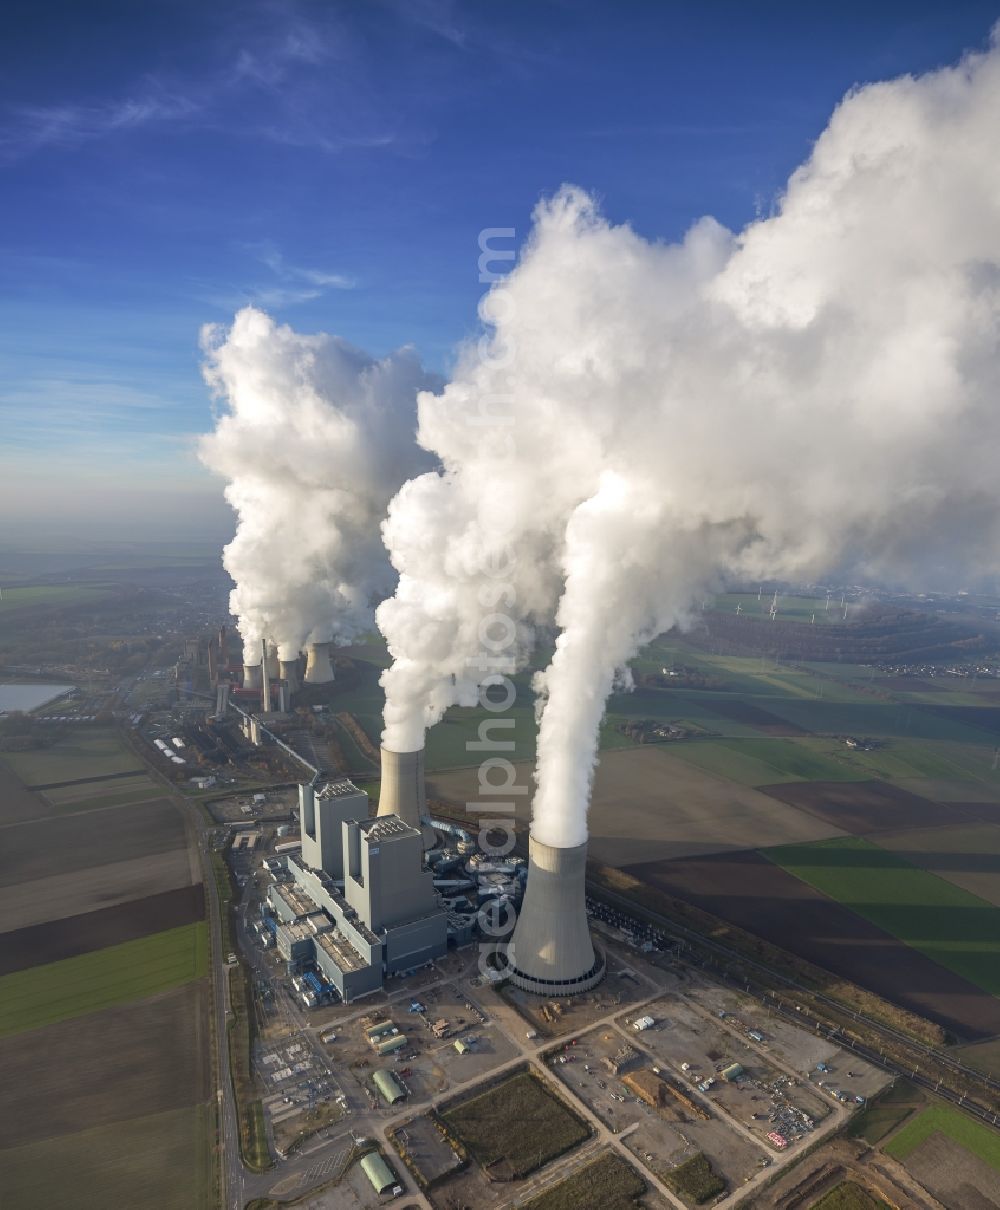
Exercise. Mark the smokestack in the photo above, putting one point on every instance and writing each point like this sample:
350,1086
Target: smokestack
265,680
319,670
251,676
551,952
289,670
403,792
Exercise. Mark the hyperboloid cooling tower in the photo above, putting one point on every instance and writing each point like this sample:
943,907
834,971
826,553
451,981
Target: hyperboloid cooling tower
290,674
551,952
319,670
403,792
252,678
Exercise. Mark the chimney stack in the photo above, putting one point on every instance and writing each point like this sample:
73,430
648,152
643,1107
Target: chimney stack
265,680
551,952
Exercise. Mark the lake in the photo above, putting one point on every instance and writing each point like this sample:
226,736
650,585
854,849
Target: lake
29,697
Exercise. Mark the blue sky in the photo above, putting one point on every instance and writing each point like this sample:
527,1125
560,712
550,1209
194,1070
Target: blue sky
161,164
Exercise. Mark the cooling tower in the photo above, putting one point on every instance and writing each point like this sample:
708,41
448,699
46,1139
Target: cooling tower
273,664
403,792
319,670
551,952
289,670
251,676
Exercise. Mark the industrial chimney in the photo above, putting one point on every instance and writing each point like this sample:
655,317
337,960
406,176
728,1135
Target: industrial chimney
551,952
403,792
319,670
251,676
265,680
289,670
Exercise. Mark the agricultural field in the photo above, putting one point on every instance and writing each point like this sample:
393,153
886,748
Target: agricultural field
54,940
85,752
883,1115
790,608
747,890
967,1132
38,596
43,995
608,1182
955,1157
69,843
17,803
104,1039
160,1160
868,807
93,796
108,1066
647,805
967,856
952,927
515,1127
761,762
849,1196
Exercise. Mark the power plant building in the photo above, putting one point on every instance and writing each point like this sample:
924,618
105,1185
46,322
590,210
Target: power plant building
359,905
325,805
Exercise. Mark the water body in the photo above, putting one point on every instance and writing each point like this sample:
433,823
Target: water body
29,697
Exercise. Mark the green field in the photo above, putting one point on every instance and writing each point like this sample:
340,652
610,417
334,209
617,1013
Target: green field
32,597
42,995
880,719
518,1125
952,927
790,608
607,1182
967,1132
849,1196
762,762
162,1161
81,753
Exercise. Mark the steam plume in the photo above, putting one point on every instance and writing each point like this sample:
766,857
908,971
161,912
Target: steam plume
314,437
819,392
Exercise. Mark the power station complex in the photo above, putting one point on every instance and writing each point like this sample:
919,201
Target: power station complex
366,897
362,899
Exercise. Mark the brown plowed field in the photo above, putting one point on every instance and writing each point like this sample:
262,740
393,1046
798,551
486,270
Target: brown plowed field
747,890
17,802
956,1177
67,843
754,716
56,939
110,1066
860,807
649,805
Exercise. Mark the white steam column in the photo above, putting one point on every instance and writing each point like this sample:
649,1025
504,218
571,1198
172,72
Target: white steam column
403,791
551,952
319,670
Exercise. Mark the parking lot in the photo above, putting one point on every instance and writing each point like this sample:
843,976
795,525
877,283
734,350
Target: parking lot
303,1093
